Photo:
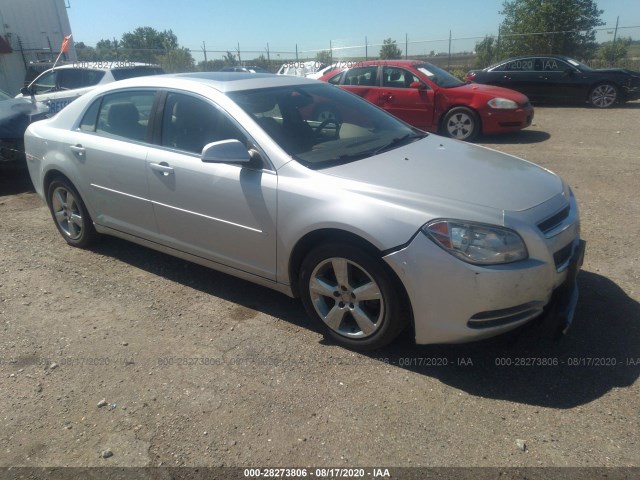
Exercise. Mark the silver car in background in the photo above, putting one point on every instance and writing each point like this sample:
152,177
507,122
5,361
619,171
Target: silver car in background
374,224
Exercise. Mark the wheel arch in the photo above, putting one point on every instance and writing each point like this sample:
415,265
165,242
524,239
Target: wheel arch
444,114
317,237
617,85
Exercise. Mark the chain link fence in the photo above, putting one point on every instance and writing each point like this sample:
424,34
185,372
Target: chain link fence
455,53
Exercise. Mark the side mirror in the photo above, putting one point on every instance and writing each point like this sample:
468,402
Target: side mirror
225,151
26,91
418,85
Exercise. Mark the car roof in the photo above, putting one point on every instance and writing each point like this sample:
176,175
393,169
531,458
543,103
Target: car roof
104,66
221,81
537,55
393,63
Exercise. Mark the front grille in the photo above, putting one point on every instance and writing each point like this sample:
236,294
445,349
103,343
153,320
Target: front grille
555,220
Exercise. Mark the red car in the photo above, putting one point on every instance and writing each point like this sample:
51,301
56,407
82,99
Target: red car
432,99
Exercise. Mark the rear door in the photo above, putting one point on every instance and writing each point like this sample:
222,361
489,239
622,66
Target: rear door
113,153
519,75
363,81
222,212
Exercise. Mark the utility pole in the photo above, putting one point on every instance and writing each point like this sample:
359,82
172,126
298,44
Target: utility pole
366,49
449,61
204,50
406,46
239,59
615,34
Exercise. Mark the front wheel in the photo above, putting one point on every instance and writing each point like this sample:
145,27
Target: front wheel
461,123
603,95
353,295
70,214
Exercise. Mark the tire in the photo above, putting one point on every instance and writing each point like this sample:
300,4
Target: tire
461,123
603,95
364,310
70,214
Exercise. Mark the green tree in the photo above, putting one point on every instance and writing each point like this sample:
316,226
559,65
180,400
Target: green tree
608,51
485,52
146,44
85,53
389,50
107,50
229,58
324,57
177,60
210,66
549,26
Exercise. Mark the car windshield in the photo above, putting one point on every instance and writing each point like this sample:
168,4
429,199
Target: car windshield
579,65
320,125
440,77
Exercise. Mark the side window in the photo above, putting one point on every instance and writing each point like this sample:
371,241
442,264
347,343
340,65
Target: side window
88,123
69,79
361,76
125,114
551,65
45,83
522,65
335,80
189,124
394,77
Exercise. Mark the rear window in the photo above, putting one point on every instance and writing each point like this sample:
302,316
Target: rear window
124,73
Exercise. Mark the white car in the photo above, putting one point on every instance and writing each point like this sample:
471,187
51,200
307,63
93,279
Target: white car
59,86
300,69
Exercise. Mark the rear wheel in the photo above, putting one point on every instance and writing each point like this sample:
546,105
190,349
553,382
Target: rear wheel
604,95
70,214
461,123
353,295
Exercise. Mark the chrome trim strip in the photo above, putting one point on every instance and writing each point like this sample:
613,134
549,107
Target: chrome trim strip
208,217
179,209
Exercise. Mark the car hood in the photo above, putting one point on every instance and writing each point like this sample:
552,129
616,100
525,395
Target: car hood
437,167
491,91
17,113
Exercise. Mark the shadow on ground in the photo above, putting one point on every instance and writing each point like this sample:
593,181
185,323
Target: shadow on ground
529,366
600,352
14,179
519,137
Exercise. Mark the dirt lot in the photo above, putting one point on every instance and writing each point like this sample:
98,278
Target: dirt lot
201,369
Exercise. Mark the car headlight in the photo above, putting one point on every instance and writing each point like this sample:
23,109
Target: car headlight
477,243
502,104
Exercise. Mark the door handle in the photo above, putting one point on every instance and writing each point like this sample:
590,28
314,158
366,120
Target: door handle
78,149
163,168
386,96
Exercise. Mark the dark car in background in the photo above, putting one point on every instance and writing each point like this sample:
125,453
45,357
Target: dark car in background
15,116
560,79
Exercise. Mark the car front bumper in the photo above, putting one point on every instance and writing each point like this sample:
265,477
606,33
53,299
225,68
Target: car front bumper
500,121
454,302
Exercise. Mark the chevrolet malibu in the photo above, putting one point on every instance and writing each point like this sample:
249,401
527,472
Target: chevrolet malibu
432,99
376,225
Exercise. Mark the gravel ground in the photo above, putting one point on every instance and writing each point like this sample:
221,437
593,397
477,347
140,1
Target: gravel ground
196,368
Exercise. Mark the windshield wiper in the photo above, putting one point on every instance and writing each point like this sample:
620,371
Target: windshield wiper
397,141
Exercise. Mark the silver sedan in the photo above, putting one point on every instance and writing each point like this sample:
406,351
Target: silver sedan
377,226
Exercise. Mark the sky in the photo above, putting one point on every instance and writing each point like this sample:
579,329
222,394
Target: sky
315,25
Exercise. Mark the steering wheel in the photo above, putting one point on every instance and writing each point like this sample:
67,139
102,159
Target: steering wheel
319,128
